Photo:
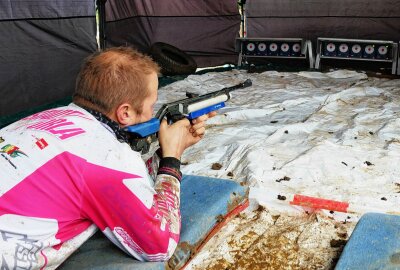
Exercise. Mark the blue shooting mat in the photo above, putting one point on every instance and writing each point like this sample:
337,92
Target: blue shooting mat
374,244
204,201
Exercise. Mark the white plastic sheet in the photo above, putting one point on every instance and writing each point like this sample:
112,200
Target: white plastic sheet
327,135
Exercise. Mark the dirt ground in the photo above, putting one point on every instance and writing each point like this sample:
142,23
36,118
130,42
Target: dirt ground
263,241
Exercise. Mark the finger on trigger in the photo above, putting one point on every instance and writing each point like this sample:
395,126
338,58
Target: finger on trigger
164,123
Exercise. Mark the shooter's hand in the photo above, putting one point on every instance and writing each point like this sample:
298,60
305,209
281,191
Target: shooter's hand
175,138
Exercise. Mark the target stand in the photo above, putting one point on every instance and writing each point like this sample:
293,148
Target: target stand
293,48
379,51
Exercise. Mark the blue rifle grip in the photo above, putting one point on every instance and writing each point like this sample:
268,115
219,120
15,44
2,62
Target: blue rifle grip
153,126
144,129
206,110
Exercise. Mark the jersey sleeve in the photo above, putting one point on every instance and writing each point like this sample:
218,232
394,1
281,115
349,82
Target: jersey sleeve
152,164
141,219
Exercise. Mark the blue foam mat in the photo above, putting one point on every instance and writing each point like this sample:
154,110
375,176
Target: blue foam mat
374,244
203,201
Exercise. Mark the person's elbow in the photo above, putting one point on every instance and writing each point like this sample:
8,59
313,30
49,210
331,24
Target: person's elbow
166,243
160,245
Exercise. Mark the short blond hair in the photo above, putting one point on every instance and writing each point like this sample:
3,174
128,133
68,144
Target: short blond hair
115,76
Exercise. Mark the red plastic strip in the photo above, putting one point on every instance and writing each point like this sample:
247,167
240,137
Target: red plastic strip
319,203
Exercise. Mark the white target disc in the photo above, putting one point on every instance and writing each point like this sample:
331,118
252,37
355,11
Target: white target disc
330,47
382,50
343,48
356,48
262,47
296,47
250,47
273,47
285,47
369,49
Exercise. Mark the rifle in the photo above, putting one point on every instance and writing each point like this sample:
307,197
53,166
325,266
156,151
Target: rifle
142,135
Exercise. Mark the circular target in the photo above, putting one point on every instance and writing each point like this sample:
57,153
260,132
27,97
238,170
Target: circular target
296,47
382,50
369,49
285,47
330,47
343,48
356,48
262,47
273,47
250,47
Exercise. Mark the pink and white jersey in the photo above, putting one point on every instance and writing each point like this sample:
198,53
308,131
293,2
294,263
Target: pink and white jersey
62,175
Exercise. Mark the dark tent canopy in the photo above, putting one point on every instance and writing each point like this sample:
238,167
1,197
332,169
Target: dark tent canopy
205,30
42,46
310,19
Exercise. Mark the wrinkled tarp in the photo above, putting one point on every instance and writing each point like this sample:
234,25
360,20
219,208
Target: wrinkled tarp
328,135
42,46
205,30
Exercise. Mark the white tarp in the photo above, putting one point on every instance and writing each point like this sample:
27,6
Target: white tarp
327,135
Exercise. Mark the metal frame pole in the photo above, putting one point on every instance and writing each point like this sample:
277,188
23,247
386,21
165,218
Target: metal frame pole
101,7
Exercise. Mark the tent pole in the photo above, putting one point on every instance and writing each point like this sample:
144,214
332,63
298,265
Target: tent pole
241,4
101,4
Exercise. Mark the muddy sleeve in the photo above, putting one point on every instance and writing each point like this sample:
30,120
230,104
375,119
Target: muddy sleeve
141,219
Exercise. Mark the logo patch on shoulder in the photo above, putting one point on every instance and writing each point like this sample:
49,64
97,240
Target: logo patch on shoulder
41,143
12,151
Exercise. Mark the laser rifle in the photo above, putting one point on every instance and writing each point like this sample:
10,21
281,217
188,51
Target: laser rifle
142,135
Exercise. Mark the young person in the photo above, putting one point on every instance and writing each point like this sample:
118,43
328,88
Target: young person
69,170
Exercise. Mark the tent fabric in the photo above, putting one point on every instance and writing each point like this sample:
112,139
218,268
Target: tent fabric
41,56
122,9
23,9
206,30
310,19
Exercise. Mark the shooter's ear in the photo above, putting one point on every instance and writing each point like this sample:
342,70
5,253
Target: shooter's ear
126,115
